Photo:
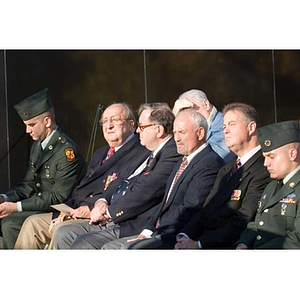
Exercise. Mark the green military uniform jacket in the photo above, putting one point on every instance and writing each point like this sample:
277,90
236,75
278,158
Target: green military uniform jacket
51,176
277,222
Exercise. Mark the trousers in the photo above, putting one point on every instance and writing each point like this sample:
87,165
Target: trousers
11,226
35,234
85,236
123,244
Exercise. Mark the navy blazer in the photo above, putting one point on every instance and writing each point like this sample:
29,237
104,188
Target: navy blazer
97,179
144,193
188,194
231,205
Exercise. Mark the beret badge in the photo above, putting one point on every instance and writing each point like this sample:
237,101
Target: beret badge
268,143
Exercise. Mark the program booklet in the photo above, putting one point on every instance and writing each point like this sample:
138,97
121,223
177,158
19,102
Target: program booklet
62,208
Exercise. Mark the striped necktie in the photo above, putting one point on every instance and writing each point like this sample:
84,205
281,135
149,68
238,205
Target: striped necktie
177,176
235,167
110,153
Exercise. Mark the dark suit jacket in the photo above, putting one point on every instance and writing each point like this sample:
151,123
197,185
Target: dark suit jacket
277,221
144,193
231,205
52,178
188,194
97,178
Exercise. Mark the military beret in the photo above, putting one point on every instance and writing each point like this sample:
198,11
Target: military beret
34,105
276,135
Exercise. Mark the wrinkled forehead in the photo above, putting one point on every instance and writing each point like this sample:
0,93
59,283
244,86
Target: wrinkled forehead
233,115
114,110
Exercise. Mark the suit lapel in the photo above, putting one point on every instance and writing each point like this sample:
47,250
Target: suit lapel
228,185
187,170
114,159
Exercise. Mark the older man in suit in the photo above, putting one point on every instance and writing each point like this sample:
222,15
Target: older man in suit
277,225
123,152
124,210
198,100
233,201
187,188
55,167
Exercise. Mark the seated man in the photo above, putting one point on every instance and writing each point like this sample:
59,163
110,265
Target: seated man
215,137
123,152
187,188
125,209
55,167
276,225
233,201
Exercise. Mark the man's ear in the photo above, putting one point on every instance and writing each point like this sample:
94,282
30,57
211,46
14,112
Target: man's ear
252,127
293,153
200,133
48,122
160,130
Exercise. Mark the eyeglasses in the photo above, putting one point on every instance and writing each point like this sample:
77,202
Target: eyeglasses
114,121
142,127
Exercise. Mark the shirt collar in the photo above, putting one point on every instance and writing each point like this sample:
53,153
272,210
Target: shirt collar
211,116
249,154
192,155
290,175
127,140
160,146
47,139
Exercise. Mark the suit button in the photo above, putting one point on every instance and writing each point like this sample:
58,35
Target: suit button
266,210
261,223
91,195
39,194
258,237
38,184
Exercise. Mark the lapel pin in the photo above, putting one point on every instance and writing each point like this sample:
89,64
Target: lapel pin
292,184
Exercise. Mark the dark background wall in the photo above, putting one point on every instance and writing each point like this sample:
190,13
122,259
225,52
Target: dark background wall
79,80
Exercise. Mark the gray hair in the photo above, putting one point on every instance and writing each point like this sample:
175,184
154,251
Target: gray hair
194,94
198,119
151,106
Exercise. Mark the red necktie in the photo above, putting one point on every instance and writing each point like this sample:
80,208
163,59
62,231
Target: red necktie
235,167
180,171
110,153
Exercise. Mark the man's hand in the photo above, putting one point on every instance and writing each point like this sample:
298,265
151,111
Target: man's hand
139,237
241,247
81,212
181,104
7,208
98,213
185,243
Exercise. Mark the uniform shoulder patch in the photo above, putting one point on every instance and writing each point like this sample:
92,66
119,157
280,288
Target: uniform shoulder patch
70,154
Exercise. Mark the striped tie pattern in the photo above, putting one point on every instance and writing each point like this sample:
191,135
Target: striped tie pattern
177,176
235,167
110,153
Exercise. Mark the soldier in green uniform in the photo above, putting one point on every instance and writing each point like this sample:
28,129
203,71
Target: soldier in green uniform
277,222
55,167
